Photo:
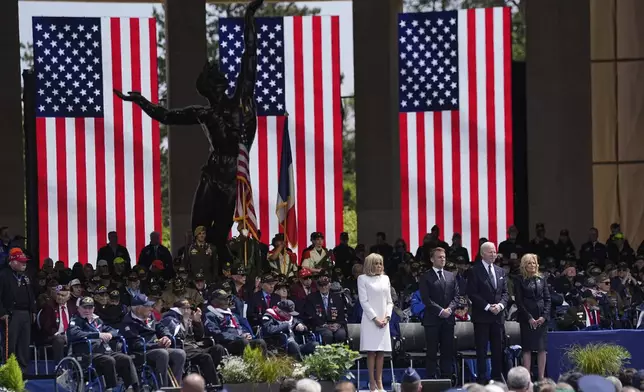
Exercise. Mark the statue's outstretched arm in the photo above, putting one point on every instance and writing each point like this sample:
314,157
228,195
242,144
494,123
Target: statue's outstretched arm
185,116
245,85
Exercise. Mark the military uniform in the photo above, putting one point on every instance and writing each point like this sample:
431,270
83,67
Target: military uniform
285,263
107,362
177,291
316,258
345,255
202,257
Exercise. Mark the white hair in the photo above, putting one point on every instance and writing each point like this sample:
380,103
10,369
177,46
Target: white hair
616,382
488,244
518,378
308,385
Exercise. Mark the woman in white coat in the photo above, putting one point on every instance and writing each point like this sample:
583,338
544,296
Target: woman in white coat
374,292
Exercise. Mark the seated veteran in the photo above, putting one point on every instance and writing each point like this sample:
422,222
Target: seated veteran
54,321
280,322
262,300
177,290
108,363
113,312
226,328
325,313
137,324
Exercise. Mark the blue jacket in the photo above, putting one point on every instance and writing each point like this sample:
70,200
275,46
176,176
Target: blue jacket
220,324
80,329
132,329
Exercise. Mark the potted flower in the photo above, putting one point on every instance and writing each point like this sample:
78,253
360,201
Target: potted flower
255,372
598,358
11,376
330,364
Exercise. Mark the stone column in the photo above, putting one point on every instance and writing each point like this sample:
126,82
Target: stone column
12,193
560,178
617,65
188,149
376,116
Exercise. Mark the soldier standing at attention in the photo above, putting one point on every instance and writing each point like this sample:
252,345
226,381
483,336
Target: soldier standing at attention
247,249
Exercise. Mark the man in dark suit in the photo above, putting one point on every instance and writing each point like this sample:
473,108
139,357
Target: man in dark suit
262,300
487,288
438,290
325,313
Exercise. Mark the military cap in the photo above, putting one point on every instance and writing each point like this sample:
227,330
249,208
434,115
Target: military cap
86,302
115,294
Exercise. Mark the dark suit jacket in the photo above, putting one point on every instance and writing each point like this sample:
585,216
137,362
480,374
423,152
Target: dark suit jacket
257,306
315,314
533,298
48,322
481,292
438,296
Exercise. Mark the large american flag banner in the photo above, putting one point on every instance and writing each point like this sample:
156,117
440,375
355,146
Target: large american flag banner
456,124
98,158
298,73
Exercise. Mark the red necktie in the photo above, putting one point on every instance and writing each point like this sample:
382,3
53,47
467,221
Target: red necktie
63,316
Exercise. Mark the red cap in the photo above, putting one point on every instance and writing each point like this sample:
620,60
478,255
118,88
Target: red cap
304,273
158,264
16,254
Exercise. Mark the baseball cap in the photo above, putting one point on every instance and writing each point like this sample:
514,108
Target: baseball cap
133,276
141,300
182,270
86,302
199,276
101,263
158,264
115,294
323,280
219,295
16,254
119,260
287,306
619,236
74,282
268,278
316,234
101,290
239,270
304,273
410,376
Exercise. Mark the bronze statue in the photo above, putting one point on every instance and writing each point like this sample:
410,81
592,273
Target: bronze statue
227,121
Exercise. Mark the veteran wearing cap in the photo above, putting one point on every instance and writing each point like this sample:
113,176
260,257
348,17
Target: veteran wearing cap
201,286
281,259
411,381
262,300
280,322
17,305
138,324
223,325
325,313
108,363
202,256
54,321
240,287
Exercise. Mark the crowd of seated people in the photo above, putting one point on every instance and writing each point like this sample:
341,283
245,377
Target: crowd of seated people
268,298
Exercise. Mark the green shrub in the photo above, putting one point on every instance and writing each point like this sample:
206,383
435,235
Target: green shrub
11,375
598,358
330,362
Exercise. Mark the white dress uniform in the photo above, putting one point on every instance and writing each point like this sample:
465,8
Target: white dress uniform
374,293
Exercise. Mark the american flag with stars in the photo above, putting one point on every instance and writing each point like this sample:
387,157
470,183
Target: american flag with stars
298,73
455,117
98,158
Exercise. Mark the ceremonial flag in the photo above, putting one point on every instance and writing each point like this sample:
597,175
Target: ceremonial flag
298,73
244,207
456,124
285,208
98,158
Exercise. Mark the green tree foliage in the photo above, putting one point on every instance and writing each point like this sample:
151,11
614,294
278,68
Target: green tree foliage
213,13
518,15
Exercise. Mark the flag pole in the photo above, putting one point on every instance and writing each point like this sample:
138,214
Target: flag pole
245,228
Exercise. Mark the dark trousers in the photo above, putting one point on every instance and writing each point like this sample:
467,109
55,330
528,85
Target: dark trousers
20,337
58,343
330,337
207,359
109,365
492,334
297,351
236,347
440,337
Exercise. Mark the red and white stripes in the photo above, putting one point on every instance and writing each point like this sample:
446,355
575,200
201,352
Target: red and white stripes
312,75
103,174
456,166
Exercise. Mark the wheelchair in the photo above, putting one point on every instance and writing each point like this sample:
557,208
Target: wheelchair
76,373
